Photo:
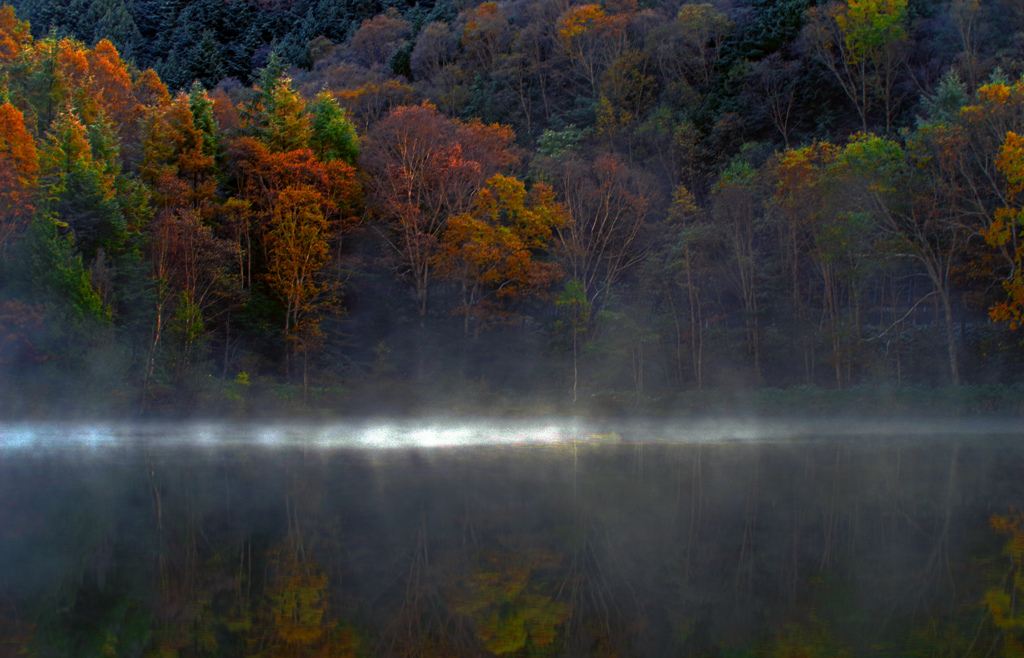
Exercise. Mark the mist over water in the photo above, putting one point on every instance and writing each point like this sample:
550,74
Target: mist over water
548,536
444,432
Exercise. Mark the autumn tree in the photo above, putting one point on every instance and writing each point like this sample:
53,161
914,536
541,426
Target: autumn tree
1006,227
19,171
14,34
188,262
799,181
378,38
699,34
435,48
861,43
423,169
486,35
608,203
178,156
591,38
494,252
297,250
981,160
262,175
111,84
292,209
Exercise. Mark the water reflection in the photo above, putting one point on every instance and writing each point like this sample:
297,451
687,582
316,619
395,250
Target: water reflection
453,538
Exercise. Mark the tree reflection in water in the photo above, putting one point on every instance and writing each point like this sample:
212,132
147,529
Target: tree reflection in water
594,545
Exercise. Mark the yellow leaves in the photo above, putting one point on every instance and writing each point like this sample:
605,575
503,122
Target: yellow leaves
510,610
297,614
703,23
684,205
299,608
492,249
14,34
66,145
997,109
580,19
870,26
590,20
491,245
996,93
589,36
798,170
1010,162
1002,232
297,244
1001,602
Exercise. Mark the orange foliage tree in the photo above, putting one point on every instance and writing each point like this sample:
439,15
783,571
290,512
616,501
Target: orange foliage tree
111,85
297,249
175,160
1005,229
19,171
493,252
591,38
14,34
423,168
296,206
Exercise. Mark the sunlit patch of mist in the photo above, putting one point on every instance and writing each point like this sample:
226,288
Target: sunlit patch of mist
446,433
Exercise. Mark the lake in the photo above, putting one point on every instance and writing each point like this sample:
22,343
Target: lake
470,537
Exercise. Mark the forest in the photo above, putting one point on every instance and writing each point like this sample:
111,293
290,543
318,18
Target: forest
245,208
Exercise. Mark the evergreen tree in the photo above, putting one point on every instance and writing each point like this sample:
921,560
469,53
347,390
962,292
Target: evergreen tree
333,135
115,23
204,62
203,119
79,189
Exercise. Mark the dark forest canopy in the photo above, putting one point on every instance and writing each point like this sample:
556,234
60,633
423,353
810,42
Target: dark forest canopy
234,207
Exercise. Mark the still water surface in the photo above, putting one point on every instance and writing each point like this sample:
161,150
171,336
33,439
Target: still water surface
542,537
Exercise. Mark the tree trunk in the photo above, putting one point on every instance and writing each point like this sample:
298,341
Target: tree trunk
954,368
